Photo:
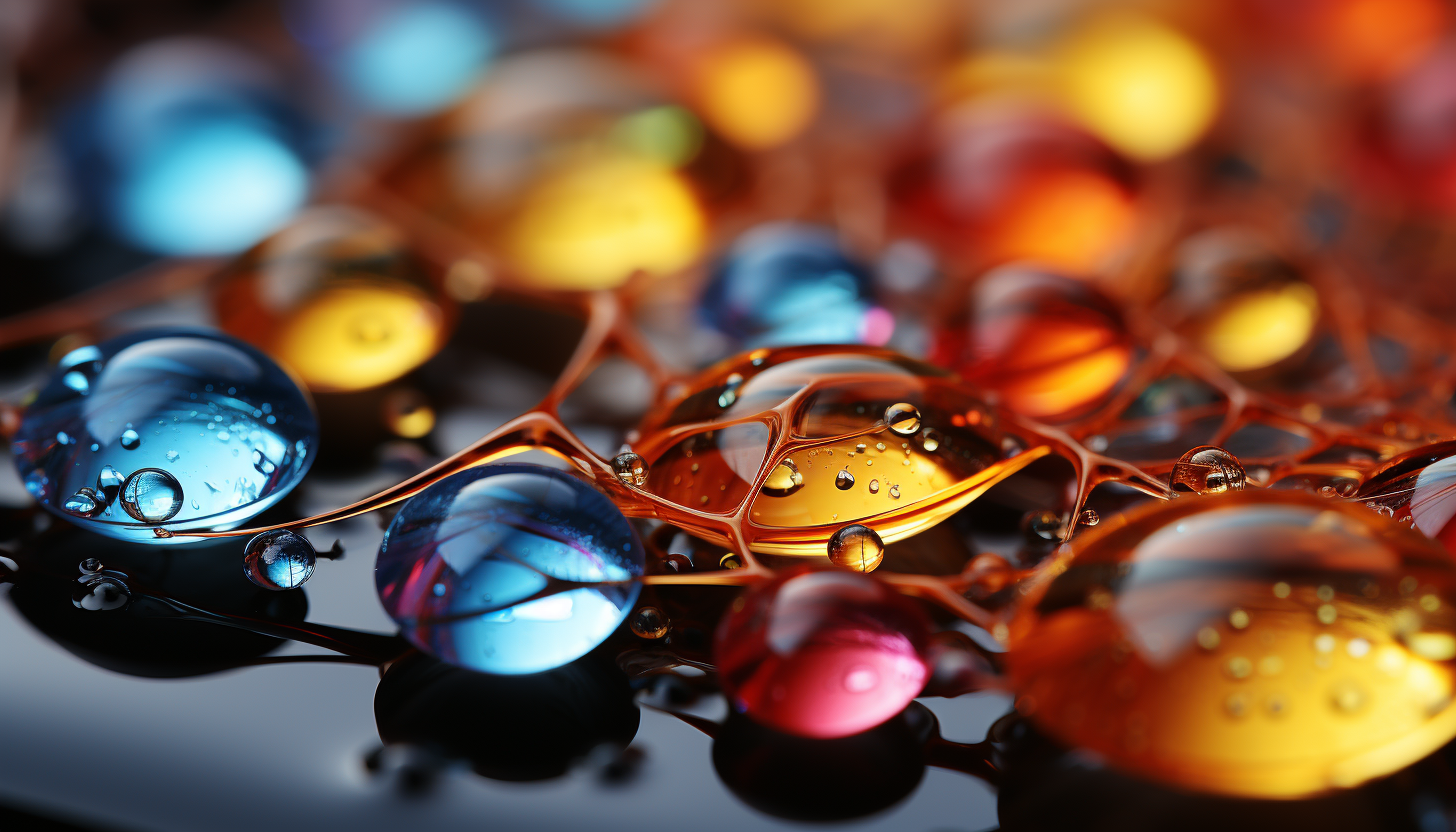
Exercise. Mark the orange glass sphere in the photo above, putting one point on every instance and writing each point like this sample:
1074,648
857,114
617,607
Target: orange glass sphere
1256,643
1050,346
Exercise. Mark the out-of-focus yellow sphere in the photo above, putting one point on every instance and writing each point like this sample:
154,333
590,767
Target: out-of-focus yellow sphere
593,222
338,297
1262,327
1144,88
353,337
757,93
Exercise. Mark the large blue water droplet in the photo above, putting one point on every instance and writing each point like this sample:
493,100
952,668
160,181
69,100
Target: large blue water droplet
787,283
169,384
537,568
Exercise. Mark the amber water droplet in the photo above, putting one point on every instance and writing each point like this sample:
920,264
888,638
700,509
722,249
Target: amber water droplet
730,561
630,468
903,418
856,547
844,480
783,480
874,486
1207,469
648,623
895,492
1089,518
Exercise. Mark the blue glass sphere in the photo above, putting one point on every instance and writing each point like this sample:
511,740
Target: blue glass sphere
189,147
787,283
165,429
398,57
462,557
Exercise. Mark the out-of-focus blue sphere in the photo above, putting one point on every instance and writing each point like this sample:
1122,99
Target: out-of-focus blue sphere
189,147
599,14
165,429
788,283
460,559
398,57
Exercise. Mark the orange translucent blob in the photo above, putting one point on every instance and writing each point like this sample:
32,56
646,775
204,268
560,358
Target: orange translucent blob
1049,346
1075,220
338,298
1376,38
1256,643
809,426
757,93
997,185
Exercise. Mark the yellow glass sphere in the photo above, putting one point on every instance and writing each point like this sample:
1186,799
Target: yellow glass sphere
1257,643
1143,87
594,222
1262,327
338,298
757,93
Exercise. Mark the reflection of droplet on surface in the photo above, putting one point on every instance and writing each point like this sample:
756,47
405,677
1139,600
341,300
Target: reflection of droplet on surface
630,468
151,495
279,559
856,547
102,594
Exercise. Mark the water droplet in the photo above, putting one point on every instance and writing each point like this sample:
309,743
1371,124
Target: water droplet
279,560
90,566
102,594
1238,619
880,446
130,440
648,622
1326,613
77,381
730,561
262,464
861,447
856,547
930,441
84,503
730,390
630,468
783,480
895,491
1207,469
151,495
173,456
1208,638
1239,668
1046,525
844,480
903,418
1089,518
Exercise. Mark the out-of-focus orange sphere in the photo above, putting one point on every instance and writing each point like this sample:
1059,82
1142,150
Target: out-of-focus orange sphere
758,93
1051,347
997,184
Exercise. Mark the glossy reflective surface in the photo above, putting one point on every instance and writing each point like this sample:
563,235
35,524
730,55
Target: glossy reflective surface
169,429
1256,643
509,569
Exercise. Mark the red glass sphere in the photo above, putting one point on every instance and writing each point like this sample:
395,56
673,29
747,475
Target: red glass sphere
822,653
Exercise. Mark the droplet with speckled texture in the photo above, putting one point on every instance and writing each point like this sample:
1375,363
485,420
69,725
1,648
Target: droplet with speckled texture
822,653
1137,648
509,568
163,400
